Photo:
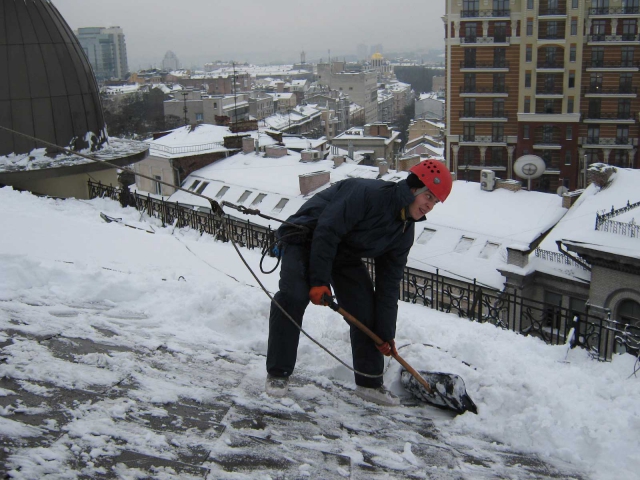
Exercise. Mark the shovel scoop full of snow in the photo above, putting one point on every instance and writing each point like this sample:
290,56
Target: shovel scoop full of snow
448,390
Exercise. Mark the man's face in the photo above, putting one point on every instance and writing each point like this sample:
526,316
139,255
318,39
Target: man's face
422,204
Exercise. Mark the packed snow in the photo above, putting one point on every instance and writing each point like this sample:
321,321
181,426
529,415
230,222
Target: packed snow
197,296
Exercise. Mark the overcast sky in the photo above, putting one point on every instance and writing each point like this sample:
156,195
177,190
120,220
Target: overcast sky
260,31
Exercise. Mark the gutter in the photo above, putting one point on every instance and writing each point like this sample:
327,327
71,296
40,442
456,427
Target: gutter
571,257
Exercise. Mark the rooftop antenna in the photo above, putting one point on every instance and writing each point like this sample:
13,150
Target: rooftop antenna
185,109
235,100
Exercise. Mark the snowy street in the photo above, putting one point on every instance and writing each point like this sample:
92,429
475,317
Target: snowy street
126,354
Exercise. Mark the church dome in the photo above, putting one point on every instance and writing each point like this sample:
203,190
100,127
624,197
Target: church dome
377,56
47,86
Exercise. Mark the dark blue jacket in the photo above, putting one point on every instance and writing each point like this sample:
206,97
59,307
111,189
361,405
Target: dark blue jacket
361,218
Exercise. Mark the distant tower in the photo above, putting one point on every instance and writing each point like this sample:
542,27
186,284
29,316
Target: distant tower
303,57
170,62
106,50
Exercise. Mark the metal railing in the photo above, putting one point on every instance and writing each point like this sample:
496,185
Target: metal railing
469,114
186,149
468,64
605,224
470,300
620,90
610,116
612,64
557,257
482,90
614,10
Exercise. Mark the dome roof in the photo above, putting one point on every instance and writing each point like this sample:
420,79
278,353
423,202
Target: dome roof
377,56
47,87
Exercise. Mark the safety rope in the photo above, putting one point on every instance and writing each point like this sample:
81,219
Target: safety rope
217,210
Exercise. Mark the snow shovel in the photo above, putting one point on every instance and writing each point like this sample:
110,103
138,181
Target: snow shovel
443,390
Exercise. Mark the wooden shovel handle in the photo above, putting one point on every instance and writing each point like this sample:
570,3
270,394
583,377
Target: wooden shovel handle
354,321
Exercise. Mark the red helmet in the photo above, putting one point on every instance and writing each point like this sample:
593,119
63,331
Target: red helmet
435,176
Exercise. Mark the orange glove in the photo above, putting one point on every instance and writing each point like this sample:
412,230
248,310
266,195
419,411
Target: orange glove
388,348
316,294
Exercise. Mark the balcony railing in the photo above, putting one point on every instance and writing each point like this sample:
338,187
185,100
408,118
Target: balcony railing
474,114
481,90
483,138
625,37
623,90
485,40
551,36
467,64
613,64
614,11
485,13
550,64
609,141
549,91
551,11
610,116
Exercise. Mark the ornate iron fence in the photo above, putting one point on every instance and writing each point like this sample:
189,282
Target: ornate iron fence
505,309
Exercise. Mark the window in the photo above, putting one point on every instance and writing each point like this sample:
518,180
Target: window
244,196
199,117
498,107
497,132
527,105
572,53
158,185
574,3
464,244
569,133
629,312
572,79
547,134
574,26
622,135
202,187
595,82
221,192
530,4
552,29
425,236
621,158
528,54
468,155
470,32
548,106
194,184
497,156
627,57
624,108
258,199
567,157
631,6
598,29
629,29
597,57
469,82
281,204
489,249
470,57
499,84
527,80
550,56
570,105
469,107
626,80
525,131
594,108
469,132
215,105
593,134
529,27
499,57
500,32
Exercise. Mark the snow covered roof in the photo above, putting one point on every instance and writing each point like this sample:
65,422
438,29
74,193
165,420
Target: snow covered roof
121,89
184,141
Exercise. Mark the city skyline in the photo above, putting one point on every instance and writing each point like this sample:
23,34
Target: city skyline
259,33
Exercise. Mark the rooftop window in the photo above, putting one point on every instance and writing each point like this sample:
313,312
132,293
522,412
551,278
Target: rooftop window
281,204
425,236
202,187
222,191
464,244
244,196
258,199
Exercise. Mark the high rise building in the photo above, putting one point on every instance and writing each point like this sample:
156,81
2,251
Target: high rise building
106,50
170,62
552,78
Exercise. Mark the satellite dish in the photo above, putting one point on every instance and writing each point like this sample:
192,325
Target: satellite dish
562,190
529,167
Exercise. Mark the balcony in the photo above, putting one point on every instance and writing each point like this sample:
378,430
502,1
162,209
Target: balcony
610,117
494,91
472,116
612,11
550,65
476,66
501,13
549,92
619,39
597,64
475,40
484,140
551,36
608,142
595,91
552,12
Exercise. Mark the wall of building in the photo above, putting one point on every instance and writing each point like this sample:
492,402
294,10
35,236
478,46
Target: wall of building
71,186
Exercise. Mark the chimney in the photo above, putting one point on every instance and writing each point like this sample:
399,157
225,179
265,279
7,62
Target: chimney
518,255
405,164
383,167
247,145
310,155
569,198
312,181
280,87
275,151
338,160
383,130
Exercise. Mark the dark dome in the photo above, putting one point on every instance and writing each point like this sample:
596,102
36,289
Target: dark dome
47,87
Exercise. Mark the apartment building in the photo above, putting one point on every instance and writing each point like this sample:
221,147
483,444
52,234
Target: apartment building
552,78
106,50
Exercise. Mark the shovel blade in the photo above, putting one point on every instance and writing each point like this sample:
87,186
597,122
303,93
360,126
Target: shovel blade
448,389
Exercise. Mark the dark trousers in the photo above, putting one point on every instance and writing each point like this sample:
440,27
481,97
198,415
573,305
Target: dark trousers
354,292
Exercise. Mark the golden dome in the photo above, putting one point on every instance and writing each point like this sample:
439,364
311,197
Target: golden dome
377,56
